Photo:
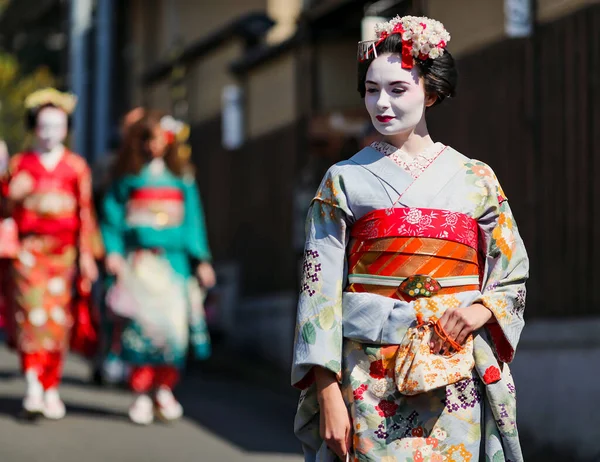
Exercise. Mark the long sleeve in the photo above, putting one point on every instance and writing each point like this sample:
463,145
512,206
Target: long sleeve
318,336
195,225
90,241
506,270
113,219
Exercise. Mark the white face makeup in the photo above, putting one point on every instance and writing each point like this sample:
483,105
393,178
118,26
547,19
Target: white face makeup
395,97
51,128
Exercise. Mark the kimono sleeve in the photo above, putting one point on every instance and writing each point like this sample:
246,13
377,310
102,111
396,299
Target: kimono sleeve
318,334
195,225
506,269
113,219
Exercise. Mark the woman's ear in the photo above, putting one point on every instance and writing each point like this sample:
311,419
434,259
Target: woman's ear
430,99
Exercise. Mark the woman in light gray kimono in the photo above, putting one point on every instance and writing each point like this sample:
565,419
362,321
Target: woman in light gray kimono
413,289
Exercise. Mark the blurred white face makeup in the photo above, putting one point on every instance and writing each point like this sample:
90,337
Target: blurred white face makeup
395,97
51,128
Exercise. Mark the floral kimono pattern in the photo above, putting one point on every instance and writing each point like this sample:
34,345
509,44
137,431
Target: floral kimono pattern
355,331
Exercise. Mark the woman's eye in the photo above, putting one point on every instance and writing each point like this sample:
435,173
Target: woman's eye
372,90
398,91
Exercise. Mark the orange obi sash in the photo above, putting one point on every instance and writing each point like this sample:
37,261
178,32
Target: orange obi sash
407,253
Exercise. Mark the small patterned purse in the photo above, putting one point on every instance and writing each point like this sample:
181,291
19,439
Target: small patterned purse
418,370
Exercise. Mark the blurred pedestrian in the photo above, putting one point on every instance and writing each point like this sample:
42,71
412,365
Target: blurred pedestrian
155,235
50,195
413,289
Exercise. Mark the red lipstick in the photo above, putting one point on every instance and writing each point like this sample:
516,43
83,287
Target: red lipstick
384,119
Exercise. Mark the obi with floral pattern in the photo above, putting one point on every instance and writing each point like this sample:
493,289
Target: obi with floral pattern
406,253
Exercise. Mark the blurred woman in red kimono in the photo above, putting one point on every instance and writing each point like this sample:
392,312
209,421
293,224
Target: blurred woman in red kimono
49,190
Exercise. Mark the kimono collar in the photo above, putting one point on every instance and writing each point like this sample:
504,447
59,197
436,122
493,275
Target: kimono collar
415,164
417,192
156,166
50,159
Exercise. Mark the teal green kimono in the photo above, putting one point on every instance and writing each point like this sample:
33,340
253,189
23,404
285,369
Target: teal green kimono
155,220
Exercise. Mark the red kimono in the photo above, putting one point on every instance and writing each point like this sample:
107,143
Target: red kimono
56,225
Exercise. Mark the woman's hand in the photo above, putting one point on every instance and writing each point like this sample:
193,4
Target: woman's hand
20,186
458,323
206,275
335,425
114,264
88,267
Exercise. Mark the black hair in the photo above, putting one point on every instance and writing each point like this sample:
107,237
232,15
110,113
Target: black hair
439,75
31,116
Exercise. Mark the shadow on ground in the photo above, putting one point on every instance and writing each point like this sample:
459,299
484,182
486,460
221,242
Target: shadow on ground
11,406
250,405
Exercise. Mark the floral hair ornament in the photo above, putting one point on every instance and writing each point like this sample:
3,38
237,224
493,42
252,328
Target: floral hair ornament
175,130
51,96
422,38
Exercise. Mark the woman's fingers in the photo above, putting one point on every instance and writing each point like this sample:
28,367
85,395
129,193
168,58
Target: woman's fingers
335,425
337,445
453,326
462,336
349,435
436,344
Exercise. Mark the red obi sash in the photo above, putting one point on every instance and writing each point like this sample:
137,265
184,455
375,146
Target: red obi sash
406,222
405,253
157,193
156,207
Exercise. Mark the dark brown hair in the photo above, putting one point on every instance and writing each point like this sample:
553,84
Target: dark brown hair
439,75
134,154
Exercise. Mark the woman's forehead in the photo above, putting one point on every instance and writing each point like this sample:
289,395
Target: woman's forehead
52,115
388,68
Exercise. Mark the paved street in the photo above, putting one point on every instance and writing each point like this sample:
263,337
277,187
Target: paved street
226,420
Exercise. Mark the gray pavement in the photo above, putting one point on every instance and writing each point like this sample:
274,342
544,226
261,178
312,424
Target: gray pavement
227,419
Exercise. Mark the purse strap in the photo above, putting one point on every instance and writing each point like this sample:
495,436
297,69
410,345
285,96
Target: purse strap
440,332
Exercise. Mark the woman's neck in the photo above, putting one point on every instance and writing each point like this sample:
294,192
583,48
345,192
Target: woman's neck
55,151
412,142
51,158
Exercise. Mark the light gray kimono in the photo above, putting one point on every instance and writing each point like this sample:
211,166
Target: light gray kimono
350,333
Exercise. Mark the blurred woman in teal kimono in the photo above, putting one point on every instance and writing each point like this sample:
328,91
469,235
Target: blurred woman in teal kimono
157,250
